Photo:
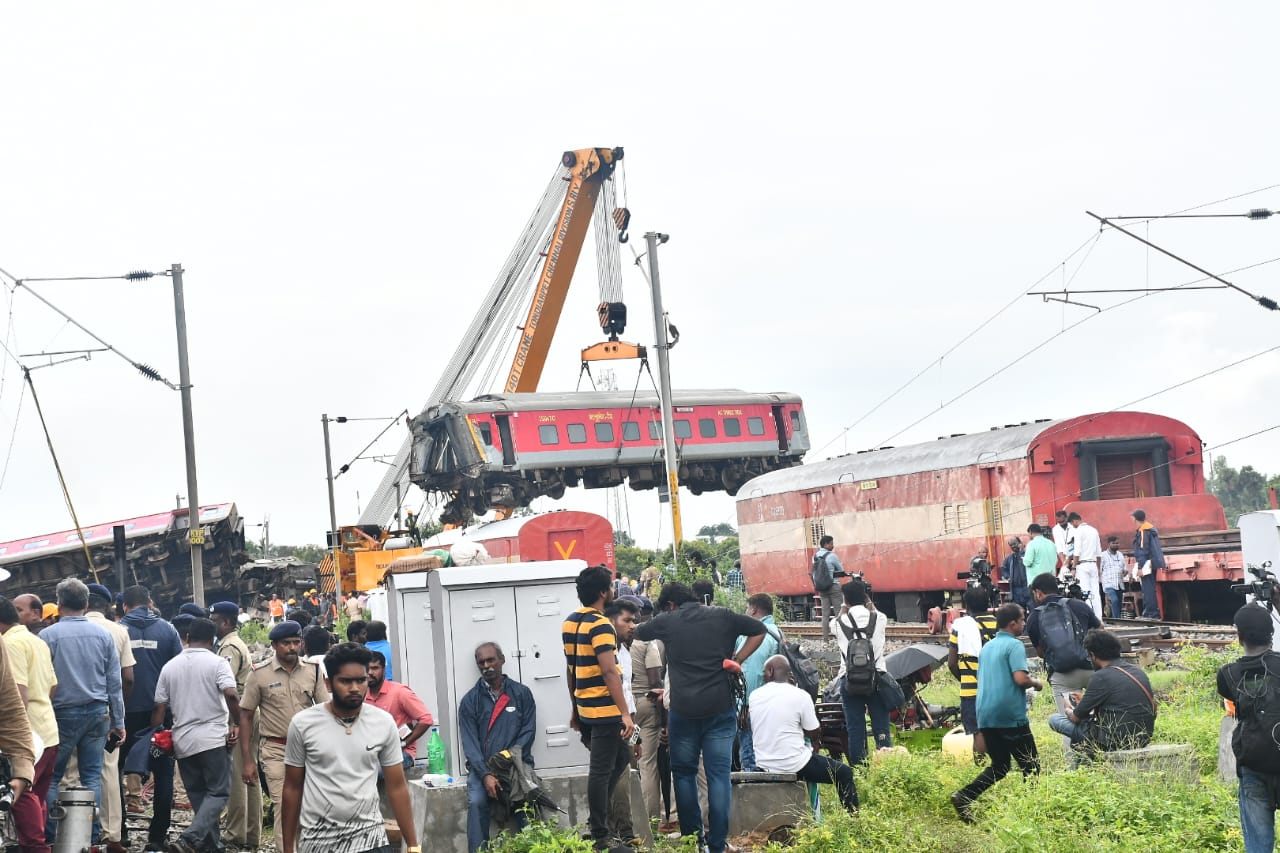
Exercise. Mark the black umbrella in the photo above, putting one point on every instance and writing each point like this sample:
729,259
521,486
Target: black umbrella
909,660
519,786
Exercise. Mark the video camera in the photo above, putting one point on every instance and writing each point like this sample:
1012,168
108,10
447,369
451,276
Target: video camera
1262,589
857,576
979,577
1069,587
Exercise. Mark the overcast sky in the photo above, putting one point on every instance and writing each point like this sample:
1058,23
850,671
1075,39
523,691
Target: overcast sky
850,189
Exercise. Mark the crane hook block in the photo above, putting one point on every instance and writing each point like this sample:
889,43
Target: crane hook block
622,219
613,318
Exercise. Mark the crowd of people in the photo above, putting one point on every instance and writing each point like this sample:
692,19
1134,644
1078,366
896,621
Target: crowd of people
98,690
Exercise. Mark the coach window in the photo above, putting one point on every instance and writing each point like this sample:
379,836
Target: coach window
630,431
548,434
707,427
655,431
604,432
486,434
683,429
755,426
795,422
576,433
732,428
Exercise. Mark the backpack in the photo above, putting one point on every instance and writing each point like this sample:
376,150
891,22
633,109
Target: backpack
859,657
820,573
802,668
1256,741
1062,637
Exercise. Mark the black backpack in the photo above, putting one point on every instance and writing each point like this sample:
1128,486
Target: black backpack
1062,637
859,657
802,668
1256,741
820,573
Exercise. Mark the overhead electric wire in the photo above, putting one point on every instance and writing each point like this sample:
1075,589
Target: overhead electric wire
4,475
1093,239
1059,266
62,481
1045,343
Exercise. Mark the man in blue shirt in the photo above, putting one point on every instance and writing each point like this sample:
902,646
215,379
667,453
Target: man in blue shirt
497,714
88,703
376,641
759,606
1002,708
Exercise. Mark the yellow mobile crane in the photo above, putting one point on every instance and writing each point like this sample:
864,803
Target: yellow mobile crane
580,193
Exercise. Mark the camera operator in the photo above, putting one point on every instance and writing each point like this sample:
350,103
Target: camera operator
825,574
979,577
1264,592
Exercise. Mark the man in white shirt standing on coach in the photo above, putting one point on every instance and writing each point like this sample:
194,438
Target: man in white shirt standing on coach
1084,560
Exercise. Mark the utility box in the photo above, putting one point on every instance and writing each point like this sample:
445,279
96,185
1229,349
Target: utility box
439,617
408,616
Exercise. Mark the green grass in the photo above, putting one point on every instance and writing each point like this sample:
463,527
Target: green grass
906,797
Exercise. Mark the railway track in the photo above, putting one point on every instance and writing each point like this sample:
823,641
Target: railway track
1137,633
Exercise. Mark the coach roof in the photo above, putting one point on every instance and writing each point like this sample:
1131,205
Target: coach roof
999,445
572,400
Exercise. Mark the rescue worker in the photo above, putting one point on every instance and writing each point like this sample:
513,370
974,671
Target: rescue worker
280,689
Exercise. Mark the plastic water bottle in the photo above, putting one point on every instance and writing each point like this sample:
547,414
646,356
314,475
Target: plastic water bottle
435,753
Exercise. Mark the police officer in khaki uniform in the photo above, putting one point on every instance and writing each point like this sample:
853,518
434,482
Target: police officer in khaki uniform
279,689
244,809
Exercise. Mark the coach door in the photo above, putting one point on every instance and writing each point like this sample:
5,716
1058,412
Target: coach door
504,438
780,424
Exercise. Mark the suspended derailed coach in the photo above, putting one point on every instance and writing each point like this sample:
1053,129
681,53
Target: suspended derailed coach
507,449
911,518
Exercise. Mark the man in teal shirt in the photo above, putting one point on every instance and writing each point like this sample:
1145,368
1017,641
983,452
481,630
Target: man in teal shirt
1002,707
1040,555
759,606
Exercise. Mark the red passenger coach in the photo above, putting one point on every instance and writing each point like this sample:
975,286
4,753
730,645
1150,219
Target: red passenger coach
561,535
912,517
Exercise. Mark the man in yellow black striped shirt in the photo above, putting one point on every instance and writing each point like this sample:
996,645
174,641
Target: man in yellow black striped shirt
596,690
969,634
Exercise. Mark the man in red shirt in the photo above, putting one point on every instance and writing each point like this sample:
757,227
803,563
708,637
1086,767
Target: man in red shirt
411,716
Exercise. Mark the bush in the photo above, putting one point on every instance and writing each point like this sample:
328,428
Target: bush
252,632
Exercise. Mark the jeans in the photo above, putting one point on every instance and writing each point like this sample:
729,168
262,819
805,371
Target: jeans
855,719
1061,723
969,714
1150,606
1259,795
135,722
825,770
1022,595
712,738
1117,602
610,757
479,814
82,729
207,777
1002,745
746,750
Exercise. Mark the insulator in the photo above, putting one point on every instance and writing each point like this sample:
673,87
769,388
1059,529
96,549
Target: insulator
149,372
138,275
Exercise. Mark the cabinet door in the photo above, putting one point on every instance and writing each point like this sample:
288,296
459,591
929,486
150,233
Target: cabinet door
413,647
477,616
540,610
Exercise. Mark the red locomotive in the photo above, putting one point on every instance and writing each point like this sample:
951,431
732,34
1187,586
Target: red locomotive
910,518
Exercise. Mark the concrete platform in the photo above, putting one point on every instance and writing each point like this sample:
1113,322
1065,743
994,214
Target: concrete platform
762,802
1177,760
441,813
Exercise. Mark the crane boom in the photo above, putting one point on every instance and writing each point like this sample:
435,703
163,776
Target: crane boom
588,168
570,200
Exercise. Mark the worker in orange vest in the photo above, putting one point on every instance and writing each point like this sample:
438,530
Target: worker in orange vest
276,606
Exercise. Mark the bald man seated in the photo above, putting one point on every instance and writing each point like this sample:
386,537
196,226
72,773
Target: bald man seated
782,716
